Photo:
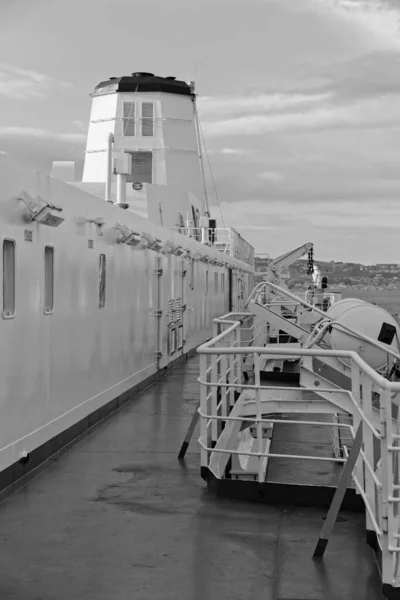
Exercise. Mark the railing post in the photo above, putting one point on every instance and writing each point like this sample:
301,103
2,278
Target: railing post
214,397
216,328
257,382
238,374
224,408
355,390
204,409
231,378
386,512
368,440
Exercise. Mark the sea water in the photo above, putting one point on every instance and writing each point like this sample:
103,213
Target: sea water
387,299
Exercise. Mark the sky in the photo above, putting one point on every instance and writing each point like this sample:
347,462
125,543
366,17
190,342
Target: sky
299,102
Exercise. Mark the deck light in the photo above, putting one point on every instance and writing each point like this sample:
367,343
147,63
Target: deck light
41,210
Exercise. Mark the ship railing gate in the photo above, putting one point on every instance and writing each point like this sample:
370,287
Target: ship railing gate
238,413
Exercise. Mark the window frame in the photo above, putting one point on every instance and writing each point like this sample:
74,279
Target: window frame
47,310
102,276
129,121
147,120
216,283
7,314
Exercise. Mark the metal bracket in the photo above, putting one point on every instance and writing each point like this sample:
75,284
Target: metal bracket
99,222
127,236
385,528
40,210
343,484
158,313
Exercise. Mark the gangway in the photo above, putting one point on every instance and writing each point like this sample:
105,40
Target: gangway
240,415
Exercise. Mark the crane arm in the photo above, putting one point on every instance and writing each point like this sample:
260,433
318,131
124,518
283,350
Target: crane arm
275,266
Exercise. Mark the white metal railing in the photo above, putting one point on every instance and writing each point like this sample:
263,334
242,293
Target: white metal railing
225,239
220,236
259,290
221,363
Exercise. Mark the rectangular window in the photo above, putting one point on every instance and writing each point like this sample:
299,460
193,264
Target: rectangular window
8,278
222,283
142,167
172,341
147,119
180,337
215,283
206,283
129,119
48,279
102,280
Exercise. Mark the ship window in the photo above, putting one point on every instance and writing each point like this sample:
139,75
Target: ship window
206,283
102,280
8,278
222,283
129,119
142,167
215,283
147,119
48,279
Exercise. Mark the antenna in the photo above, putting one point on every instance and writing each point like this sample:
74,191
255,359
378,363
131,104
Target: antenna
196,119
196,64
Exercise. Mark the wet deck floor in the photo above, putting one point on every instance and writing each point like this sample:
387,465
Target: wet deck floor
119,518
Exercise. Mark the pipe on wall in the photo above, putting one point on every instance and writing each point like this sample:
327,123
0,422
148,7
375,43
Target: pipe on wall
110,141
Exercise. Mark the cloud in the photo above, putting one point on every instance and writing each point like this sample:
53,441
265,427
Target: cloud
213,107
80,125
374,74
256,214
33,132
338,230
380,19
362,114
271,176
22,84
234,151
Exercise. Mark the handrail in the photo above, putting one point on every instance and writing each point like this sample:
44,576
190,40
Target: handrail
378,379
281,350
377,488
348,329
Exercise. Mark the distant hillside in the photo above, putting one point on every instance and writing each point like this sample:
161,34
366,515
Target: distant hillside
343,275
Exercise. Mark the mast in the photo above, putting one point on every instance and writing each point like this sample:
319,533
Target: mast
196,120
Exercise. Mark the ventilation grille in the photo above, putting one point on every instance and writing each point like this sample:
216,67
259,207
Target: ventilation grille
142,167
170,311
178,311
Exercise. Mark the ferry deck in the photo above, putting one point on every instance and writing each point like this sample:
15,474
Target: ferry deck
119,517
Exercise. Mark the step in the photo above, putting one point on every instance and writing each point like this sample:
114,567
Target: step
245,467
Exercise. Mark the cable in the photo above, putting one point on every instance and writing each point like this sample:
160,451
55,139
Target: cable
212,175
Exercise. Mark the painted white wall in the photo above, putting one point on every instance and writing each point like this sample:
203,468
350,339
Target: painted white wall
56,369
174,145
